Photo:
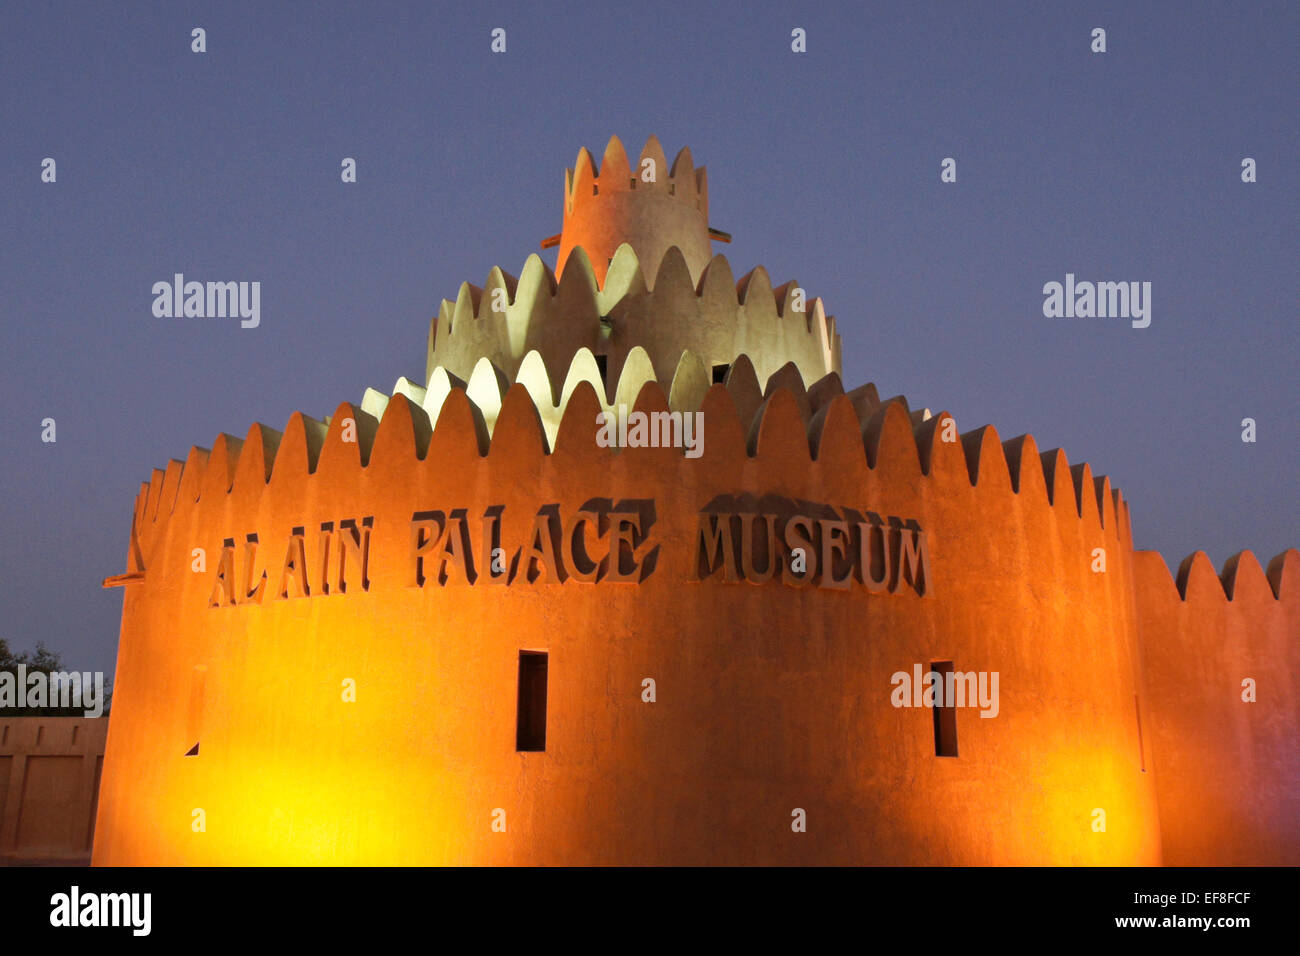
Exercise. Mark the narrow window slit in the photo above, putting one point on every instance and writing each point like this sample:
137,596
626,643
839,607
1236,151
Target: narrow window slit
530,723
945,713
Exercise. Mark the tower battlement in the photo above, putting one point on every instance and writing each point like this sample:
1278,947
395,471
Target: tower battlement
652,207
635,271
718,318
652,173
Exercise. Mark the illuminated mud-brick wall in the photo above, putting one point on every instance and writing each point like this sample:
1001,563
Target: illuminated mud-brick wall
1221,659
769,698
49,777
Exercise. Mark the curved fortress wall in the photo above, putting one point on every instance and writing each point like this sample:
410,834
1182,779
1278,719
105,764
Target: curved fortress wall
770,697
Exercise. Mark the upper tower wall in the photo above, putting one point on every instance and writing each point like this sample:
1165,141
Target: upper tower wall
635,272
652,207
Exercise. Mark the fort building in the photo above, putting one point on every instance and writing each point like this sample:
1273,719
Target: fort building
451,624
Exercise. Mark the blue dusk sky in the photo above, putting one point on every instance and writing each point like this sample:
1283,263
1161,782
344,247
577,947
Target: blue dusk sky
825,166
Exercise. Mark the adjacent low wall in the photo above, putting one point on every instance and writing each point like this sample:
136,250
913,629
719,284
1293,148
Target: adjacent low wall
49,779
1220,667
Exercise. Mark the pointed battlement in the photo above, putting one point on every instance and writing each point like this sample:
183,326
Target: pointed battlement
716,317
811,432
652,207
635,271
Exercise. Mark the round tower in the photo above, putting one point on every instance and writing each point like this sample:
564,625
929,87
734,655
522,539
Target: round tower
652,208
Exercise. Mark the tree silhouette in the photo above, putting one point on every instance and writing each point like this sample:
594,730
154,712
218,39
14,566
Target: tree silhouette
44,661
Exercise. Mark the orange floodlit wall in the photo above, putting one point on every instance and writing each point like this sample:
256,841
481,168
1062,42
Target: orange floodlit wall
769,698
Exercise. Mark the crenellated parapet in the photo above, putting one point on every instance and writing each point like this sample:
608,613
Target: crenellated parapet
635,270
717,319
783,427
649,205
685,382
